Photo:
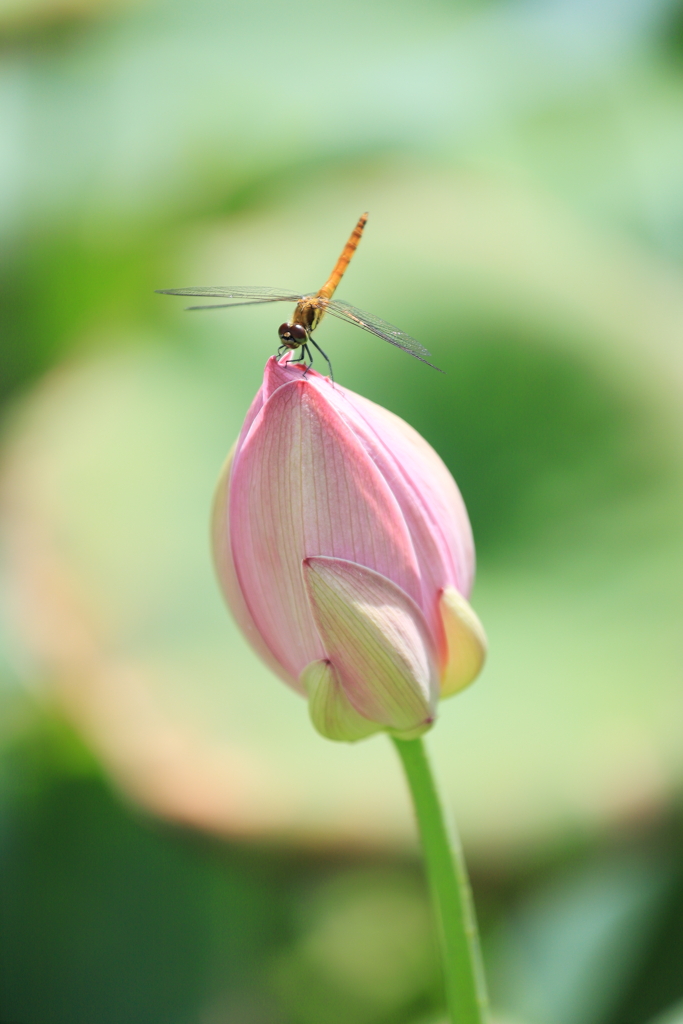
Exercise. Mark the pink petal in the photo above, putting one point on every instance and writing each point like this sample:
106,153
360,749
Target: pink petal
426,493
431,504
279,372
252,413
302,484
225,570
432,499
423,485
378,641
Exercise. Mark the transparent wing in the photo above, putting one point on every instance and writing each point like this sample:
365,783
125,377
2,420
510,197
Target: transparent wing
249,302
254,293
373,324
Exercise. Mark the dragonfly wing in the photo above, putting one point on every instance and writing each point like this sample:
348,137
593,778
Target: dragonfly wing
375,325
253,293
229,305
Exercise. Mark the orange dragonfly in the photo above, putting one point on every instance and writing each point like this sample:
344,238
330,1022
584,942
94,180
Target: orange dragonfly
297,333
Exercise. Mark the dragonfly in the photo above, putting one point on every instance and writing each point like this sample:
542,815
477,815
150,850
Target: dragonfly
311,307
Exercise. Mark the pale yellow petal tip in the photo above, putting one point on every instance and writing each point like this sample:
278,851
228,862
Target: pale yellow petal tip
466,641
331,712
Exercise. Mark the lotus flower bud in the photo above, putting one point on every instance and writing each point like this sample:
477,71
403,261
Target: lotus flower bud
344,551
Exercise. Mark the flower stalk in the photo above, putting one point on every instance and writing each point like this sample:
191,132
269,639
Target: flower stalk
449,890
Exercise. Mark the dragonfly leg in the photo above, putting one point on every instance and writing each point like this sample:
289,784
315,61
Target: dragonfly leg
304,354
324,355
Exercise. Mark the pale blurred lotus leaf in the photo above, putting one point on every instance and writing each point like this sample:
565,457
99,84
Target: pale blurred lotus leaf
108,474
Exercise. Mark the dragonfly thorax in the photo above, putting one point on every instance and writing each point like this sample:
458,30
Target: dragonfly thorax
292,335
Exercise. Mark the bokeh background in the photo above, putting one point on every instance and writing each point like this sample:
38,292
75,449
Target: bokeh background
176,844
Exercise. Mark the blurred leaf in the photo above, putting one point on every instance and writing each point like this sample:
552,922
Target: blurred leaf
98,920
366,953
567,950
672,1016
58,292
126,119
106,917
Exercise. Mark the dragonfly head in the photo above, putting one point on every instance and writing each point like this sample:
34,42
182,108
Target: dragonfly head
292,335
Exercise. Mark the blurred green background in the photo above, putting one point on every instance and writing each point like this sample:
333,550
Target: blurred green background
176,844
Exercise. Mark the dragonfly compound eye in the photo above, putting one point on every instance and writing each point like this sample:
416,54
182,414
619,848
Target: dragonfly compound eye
292,335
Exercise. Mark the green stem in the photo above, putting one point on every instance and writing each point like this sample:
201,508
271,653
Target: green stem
449,888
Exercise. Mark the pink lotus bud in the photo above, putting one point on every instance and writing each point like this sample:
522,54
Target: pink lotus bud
345,553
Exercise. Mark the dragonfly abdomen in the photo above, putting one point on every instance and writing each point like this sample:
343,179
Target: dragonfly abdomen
328,289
